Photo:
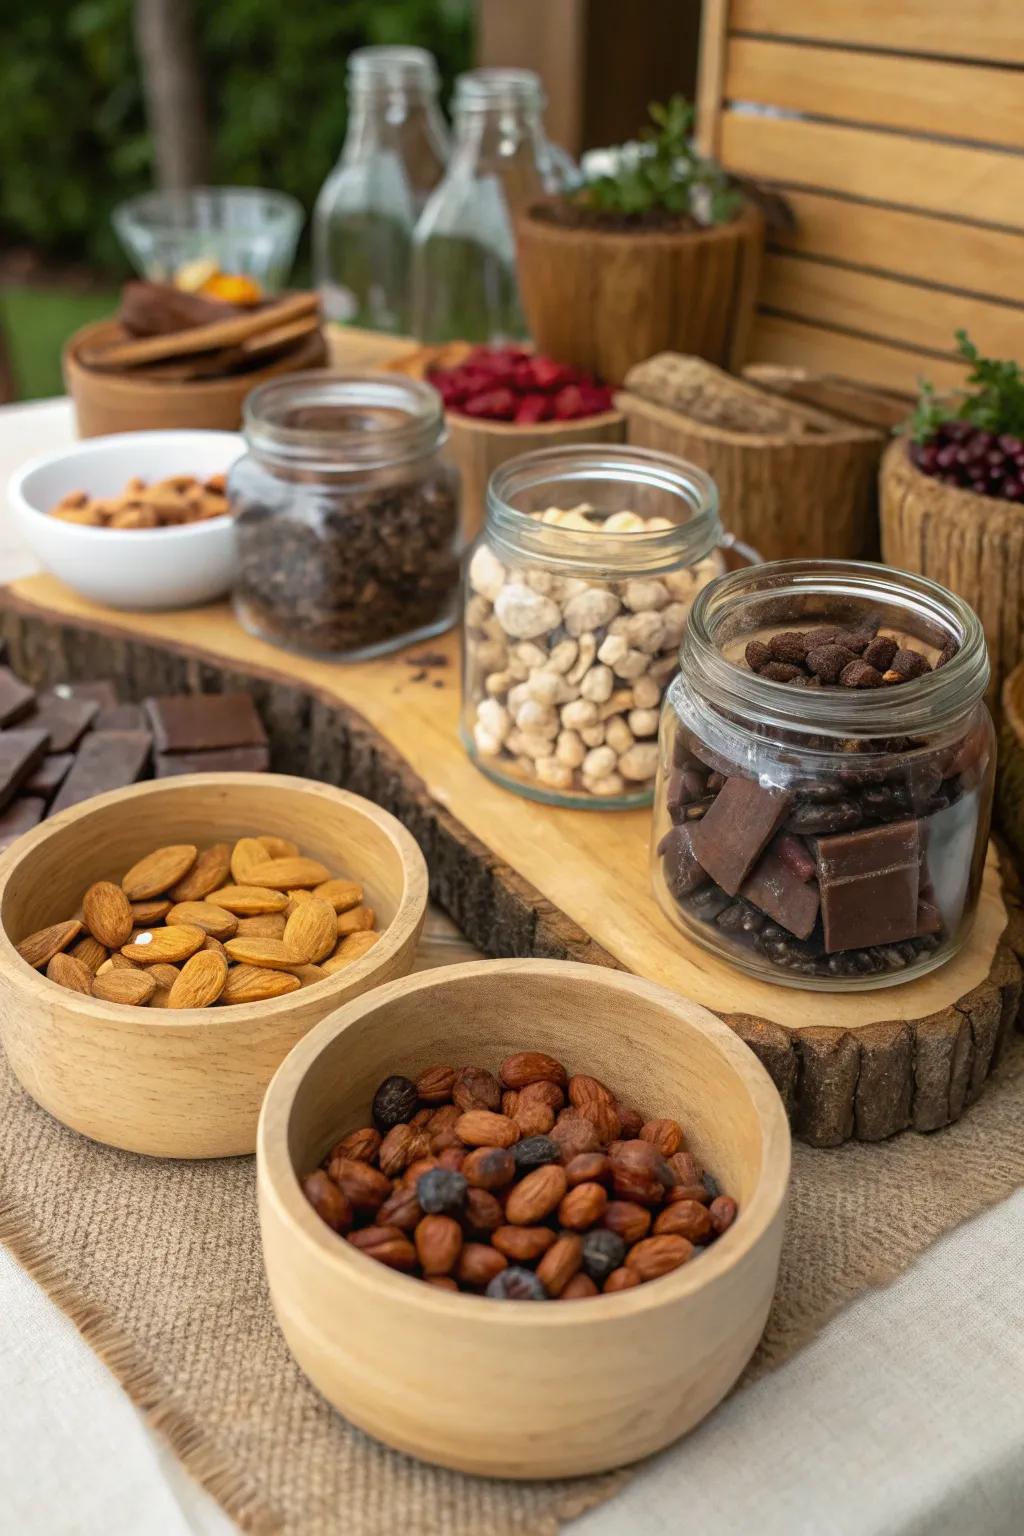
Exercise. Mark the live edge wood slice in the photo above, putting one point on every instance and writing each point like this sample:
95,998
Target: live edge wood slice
526,879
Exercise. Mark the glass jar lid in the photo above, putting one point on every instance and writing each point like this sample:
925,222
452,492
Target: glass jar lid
335,423
795,594
680,498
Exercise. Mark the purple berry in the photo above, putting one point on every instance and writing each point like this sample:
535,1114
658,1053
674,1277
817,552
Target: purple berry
441,1192
517,1284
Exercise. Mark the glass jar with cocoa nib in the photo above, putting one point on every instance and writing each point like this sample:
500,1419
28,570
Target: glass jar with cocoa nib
347,516
825,774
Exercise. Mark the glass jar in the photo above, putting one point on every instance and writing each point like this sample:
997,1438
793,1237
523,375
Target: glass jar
577,594
394,154
464,248
347,516
825,776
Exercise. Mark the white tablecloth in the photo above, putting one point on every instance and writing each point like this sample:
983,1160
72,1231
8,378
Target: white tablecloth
904,1418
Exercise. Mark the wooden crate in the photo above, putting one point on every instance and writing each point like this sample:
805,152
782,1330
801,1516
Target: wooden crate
895,132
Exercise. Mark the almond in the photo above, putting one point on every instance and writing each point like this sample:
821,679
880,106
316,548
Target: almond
146,913
579,1286
358,920
245,855
386,1245
621,1280
438,1244
270,926
132,987
401,1209
434,1084
90,952
218,922
479,1263
603,1115
40,947
402,1145
116,962
165,975
342,894
277,847
476,1088
201,981
536,1196
562,1260
158,871
656,1256
666,1135
309,975
534,1119
209,871
482,1128
542,1093
583,1207
523,1244
359,1145
586,1090
108,916
68,972
685,1218
254,984
366,1187
154,945
311,931
272,954
295,900
482,1212
349,950
631,1222
248,900
531,1067
489,1168
284,874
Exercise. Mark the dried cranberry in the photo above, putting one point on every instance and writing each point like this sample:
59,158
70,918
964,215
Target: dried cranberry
396,1100
491,405
516,1284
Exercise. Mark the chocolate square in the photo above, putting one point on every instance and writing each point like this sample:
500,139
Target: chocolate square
737,827
65,721
21,752
101,691
16,698
203,721
20,816
869,884
775,887
50,774
683,874
224,760
122,717
106,760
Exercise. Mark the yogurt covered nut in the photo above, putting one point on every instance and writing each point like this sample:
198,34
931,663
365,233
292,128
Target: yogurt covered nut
565,675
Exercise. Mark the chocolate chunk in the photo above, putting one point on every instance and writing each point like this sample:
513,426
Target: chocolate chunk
122,717
906,665
708,904
21,752
794,853
106,760
683,874
775,888
65,721
20,816
809,819
101,691
16,698
736,829
869,885
825,635
50,774
880,652
858,674
857,639
789,645
684,787
200,722
781,672
757,655
221,760
828,661
929,918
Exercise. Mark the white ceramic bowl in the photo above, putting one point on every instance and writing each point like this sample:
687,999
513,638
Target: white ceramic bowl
129,567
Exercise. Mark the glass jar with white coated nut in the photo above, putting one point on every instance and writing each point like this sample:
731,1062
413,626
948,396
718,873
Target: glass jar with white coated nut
576,597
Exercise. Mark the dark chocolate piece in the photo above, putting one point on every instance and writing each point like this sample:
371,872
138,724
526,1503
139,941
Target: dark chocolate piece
106,760
685,787
65,721
101,691
17,699
50,774
737,827
859,674
796,854
869,885
774,887
20,816
21,752
122,717
222,760
204,721
827,661
683,874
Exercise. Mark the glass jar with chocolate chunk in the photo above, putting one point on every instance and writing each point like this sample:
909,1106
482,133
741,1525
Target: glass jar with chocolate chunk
577,593
347,515
825,774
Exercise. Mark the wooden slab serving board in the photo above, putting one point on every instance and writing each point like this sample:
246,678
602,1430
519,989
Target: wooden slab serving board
523,878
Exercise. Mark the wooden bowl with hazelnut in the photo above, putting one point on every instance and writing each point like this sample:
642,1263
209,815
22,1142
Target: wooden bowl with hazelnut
187,1081
509,1388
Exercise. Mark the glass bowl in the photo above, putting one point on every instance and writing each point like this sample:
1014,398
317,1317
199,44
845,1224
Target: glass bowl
242,229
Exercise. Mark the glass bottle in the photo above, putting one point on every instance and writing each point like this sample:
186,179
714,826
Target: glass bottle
394,155
464,249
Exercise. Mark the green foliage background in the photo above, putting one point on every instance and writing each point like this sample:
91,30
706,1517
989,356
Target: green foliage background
73,138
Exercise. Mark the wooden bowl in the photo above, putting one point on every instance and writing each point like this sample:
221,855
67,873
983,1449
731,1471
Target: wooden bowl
478,447
179,1082
120,402
507,1389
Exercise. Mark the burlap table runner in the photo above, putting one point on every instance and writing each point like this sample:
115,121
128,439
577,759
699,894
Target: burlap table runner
158,1263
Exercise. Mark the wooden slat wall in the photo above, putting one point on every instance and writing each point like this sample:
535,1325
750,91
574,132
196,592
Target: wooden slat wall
895,128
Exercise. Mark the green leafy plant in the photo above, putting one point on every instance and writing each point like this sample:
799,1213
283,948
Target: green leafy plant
993,400
667,176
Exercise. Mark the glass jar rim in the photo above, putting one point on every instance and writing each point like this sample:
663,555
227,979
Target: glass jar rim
371,441
484,90
516,534
925,705
386,66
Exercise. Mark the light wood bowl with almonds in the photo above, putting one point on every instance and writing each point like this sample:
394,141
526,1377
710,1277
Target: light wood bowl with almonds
186,1081
506,1388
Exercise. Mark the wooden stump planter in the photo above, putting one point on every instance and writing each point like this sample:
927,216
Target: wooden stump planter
972,544
792,495
604,300
1010,771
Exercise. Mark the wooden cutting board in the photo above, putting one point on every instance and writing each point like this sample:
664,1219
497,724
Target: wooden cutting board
523,878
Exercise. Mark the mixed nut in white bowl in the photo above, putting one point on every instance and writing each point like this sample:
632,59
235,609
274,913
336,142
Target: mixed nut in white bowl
116,559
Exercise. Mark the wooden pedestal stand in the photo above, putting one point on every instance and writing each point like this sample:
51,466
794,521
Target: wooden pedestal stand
525,879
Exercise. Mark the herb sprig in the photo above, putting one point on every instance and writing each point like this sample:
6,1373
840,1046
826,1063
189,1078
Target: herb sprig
993,400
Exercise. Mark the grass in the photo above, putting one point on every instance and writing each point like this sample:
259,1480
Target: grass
35,322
